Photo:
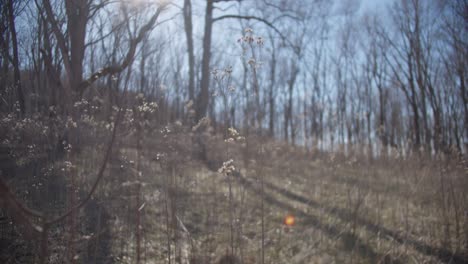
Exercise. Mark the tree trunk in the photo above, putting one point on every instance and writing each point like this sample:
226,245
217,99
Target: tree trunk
77,18
291,83
203,96
271,99
191,57
381,130
464,96
5,47
16,70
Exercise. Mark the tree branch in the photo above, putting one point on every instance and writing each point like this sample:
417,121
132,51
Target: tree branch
113,69
18,212
61,42
264,21
100,172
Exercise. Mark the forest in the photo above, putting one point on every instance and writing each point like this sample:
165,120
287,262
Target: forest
233,131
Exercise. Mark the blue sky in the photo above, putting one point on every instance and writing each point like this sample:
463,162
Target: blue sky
376,4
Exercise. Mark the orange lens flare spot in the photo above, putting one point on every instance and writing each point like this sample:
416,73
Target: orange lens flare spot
289,220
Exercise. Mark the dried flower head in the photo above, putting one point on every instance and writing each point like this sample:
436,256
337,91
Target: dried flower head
189,104
260,41
215,73
233,132
68,166
70,123
233,136
204,122
146,107
228,70
228,167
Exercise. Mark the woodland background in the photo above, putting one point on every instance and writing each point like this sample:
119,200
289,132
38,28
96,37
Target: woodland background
184,131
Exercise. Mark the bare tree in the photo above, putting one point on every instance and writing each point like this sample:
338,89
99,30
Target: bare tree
15,59
187,10
72,45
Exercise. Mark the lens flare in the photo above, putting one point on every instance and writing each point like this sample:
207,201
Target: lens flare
289,220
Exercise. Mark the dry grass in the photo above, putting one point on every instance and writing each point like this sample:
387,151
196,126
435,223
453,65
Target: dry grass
347,210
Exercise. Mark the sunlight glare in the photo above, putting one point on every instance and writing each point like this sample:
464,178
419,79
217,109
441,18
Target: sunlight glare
289,220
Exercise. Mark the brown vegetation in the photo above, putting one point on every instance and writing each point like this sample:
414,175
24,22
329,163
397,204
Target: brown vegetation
110,154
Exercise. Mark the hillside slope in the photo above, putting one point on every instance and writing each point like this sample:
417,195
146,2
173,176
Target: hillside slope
346,209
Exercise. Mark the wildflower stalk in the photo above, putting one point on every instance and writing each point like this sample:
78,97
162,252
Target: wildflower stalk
252,42
72,218
138,192
223,79
231,207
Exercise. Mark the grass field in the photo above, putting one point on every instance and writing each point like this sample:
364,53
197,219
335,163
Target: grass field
347,209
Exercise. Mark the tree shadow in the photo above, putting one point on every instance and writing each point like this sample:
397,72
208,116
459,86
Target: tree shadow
350,241
444,255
